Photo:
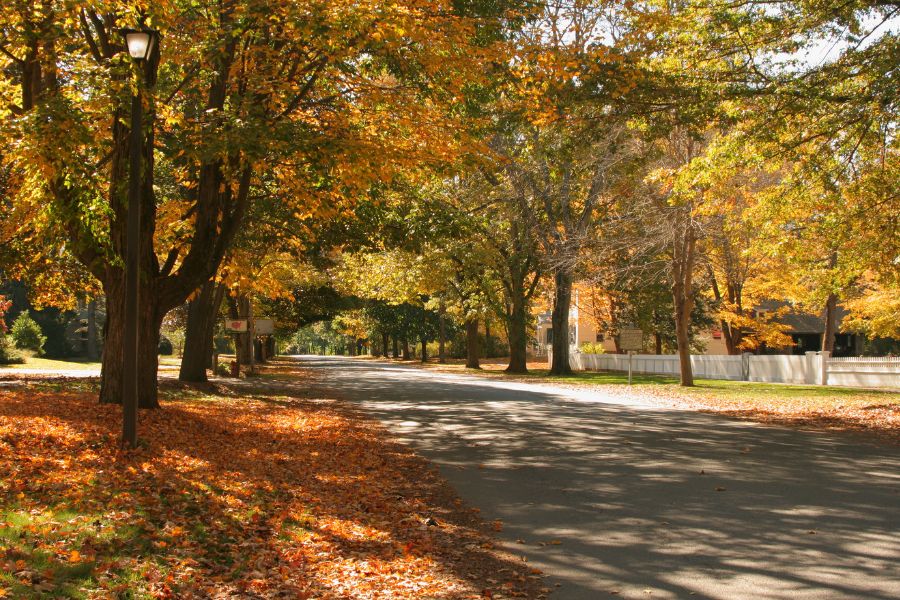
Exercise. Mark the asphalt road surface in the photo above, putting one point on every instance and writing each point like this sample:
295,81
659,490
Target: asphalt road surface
612,497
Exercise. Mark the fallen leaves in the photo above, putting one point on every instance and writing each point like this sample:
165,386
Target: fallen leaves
231,496
876,413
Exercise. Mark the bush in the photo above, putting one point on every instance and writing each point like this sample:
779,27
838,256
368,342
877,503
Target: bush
53,325
224,344
8,353
592,348
165,346
27,334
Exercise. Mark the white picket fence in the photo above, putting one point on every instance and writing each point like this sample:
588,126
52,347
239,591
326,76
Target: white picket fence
813,368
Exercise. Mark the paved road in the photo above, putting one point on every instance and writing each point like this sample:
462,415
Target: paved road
648,502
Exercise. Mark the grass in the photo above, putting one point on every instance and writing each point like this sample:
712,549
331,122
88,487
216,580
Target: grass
35,362
38,562
73,364
721,387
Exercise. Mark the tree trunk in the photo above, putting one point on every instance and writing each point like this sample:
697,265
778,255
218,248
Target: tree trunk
730,345
562,299
682,327
442,333
683,300
518,336
657,339
396,348
406,353
735,333
830,324
202,315
239,308
424,350
259,351
384,344
112,368
472,344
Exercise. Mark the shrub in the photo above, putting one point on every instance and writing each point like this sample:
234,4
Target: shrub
592,348
165,346
9,355
27,334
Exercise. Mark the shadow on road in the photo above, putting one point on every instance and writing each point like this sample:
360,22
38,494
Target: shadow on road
640,501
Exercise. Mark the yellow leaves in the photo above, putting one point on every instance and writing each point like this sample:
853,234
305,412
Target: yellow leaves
74,556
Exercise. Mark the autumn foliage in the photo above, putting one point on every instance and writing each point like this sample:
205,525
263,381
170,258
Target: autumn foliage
232,494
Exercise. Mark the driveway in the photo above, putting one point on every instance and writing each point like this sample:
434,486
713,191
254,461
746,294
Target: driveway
613,497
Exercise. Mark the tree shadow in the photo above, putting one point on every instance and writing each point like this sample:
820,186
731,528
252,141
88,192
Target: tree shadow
612,496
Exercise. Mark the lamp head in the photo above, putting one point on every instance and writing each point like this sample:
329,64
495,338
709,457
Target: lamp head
139,42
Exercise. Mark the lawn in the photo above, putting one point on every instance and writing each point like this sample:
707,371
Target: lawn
51,364
35,362
236,491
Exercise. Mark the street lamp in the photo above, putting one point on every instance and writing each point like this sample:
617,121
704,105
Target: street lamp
140,44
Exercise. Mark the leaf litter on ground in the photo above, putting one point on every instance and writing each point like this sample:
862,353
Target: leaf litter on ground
235,492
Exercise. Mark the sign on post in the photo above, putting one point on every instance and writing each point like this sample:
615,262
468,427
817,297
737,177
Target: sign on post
264,326
631,340
236,325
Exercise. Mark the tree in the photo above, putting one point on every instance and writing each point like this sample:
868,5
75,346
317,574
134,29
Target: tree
570,148
246,89
825,120
502,231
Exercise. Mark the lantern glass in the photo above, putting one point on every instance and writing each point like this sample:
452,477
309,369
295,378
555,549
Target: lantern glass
140,44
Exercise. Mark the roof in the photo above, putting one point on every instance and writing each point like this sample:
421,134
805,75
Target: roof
801,321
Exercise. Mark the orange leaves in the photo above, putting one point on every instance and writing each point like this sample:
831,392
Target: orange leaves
229,494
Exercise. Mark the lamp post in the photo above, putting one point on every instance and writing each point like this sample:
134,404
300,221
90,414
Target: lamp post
140,44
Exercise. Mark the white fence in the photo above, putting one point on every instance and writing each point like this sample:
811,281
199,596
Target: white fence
864,372
786,368
813,368
708,367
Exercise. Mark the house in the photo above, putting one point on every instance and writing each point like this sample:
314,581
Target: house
583,324
807,331
587,314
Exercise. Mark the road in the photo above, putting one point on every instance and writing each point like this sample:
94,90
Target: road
613,497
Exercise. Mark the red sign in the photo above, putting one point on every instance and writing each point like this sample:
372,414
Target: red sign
236,325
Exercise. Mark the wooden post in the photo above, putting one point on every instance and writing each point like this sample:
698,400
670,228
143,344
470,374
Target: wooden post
630,359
